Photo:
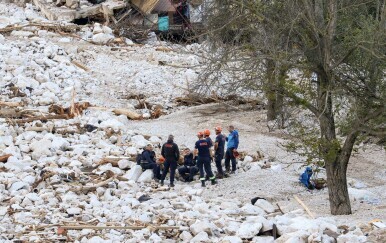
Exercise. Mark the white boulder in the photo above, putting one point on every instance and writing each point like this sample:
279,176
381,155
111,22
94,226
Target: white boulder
201,237
134,173
248,230
146,176
265,205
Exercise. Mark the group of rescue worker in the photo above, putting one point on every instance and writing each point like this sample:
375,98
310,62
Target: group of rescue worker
198,161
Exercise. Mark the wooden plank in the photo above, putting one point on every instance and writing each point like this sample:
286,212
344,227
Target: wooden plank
304,206
81,227
145,6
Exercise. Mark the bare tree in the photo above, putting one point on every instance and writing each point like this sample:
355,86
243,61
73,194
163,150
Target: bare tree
312,54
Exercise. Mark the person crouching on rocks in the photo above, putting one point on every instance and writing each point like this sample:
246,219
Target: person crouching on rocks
148,161
189,169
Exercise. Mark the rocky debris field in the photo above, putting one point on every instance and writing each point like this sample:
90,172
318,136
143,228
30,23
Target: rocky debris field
75,179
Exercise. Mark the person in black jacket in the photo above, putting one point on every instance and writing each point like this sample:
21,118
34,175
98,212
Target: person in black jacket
171,154
189,169
148,161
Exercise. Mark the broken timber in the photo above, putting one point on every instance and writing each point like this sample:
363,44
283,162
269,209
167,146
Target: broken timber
54,13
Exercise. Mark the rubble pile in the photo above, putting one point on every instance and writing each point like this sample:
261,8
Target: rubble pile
76,179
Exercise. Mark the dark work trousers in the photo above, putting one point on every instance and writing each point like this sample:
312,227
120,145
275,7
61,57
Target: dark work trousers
191,170
172,165
228,158
204,163
156,169
218,158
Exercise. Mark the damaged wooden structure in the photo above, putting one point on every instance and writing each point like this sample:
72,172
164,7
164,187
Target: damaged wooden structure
54,13
169,19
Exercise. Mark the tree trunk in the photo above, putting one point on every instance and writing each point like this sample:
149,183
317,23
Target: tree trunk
335,157
270,91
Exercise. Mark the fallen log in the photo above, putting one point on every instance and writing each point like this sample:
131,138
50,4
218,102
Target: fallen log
304,206
41,118
130,114
80,65
48,26
87,189
4,158
11,104
81,227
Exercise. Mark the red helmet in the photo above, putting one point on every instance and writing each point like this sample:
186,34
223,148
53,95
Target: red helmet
200,134
206,132
161,159
218,128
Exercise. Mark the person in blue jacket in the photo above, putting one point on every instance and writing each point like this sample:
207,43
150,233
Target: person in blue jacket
189,169
232,145
305,178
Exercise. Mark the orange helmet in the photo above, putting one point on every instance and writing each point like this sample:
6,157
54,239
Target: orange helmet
200,134
161,159
218,128
206,132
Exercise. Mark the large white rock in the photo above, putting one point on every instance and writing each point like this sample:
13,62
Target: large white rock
155,140
232,227
155,238
201,237
185,236
6,140
124,164
131,151
18,185
74,211
200,226
139,141
265,205
59,143
102,38
146,176
248,159
134,173
351,238
361,194
41,148
263,239
251,209
232,239
248,230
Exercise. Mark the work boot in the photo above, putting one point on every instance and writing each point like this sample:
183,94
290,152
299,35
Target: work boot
171,185
220,176
203,183
233,172
214,182
162,182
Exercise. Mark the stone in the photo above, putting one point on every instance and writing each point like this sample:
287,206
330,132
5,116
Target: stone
102,38
72,4
74,211
185,236
251,209
201,237
146,176
200,226
248,230
351,238
18,185
155,238
139,140
265,205
263,239
232,239
124,164
232,227
131,151
248,159
134,173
